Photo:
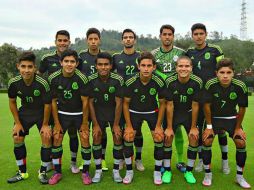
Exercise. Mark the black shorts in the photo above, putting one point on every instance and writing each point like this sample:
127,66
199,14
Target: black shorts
227,125
28,120
70,122
186,123
137,120
104,124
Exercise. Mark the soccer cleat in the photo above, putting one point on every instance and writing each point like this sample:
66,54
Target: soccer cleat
97,176
121,164
86,178
18,177
117,177
139,165
43,177
128,177
104,166
166,177
242,182
74,168
200,166
207,181
189,177
157,178
225,167
181,167
55,178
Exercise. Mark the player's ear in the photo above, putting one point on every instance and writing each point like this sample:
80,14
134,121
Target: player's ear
17,65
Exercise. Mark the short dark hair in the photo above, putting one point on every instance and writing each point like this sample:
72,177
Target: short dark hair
146,55
198,26
129,30
167,26
63,32
103,55
69,52
184,57
93,31
225,62
27,56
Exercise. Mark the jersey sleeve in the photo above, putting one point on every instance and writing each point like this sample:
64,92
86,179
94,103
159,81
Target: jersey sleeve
43,66
53,87
197,96
206,94
46,94
243,96
84,86
119,89
12,92
162,91
127,92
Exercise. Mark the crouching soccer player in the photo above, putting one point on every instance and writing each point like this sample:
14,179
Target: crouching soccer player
223,94
70,110
34,93
182,109
140,104
105,103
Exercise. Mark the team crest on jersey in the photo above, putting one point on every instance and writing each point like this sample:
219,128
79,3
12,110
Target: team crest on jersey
207,55
112,89
190,91
136,90
175,58
152,91
232,96
37,93
74,86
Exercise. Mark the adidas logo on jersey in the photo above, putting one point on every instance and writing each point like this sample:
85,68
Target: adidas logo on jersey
216,95
96,90
192,57
54,65
158,60
85,62
60,87
136,90
19,92
121,62
175,92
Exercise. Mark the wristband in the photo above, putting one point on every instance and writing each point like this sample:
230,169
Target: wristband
209,126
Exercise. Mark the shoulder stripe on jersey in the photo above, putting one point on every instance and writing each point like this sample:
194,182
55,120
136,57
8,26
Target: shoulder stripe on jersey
158,80
81,76
155,51
43,82
117,53
241,84
118,77
93,76
15,79
197,79
215,46
171,79
210,82
131,80
48,54
55,74
179,48
191,48
83,51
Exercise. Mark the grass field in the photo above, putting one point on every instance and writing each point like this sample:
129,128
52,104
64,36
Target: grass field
142,180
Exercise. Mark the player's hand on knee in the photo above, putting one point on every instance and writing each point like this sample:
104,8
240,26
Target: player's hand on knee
129,134
117,132
57,131
97,133
46,132
194,133
169,134
17,129
84,134
158,134
239,134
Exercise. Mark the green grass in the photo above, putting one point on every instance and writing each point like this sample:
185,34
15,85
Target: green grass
142,180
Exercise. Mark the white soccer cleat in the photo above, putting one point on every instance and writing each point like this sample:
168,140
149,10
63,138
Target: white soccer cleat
128,177
200,166
242,182
207,181
157,178
117,177
225,167
139,165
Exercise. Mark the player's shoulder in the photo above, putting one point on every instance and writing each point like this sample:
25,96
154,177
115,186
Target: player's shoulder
170,79
54,75
93,76
178,49
14,80
81,76
42,82
84,51
117,77
197,80
132,79
215,47
117,54
211,82
240,84
158,80
155,51
48,55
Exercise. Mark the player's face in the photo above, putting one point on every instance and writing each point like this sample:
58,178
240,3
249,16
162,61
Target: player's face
167,37
225,75
183,68
128,40
146,67
26,69
93,41
62,43
69,64
103,66
199,37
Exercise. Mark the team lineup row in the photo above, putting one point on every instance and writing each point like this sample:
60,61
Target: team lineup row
166,73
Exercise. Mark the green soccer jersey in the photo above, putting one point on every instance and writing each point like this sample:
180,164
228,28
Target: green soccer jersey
166,61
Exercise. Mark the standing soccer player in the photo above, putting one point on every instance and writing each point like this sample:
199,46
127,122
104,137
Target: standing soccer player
204,57
182,109
166,57
49,64
70,111
140,103
222,95
105,104
34,93
125,63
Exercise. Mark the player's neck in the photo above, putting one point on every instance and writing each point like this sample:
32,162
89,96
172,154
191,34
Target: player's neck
28,82
104,78
225,85
166,48
128,51
183,80
67,75
201,46
94,51
144,80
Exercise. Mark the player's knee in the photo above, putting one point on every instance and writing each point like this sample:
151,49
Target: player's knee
157,137
208,142
58,140
129,137
17,139
193,141
240,143
117,140
97,139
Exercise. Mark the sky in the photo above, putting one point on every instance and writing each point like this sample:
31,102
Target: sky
33,23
